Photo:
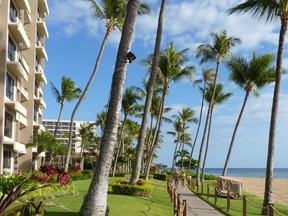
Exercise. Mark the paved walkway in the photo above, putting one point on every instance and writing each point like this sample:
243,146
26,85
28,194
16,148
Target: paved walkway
196,206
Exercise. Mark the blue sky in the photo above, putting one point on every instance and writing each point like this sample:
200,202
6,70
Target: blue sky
73,45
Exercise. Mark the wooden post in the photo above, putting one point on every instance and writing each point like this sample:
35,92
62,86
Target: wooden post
208,191
270,209
178,204
185,208
244,206
215,195
174,198
171,193
228,201
202,188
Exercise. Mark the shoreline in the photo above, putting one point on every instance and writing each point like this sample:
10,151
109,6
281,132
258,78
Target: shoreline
256,186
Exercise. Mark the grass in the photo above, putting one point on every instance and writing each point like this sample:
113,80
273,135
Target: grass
158,204
236,205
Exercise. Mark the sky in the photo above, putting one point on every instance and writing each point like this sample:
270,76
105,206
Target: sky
73,44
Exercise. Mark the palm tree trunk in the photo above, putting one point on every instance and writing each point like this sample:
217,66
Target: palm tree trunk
150,88
95,202
59,117
206,123
234,134
198,128
273,120
121,143
207,146
174,155
83,95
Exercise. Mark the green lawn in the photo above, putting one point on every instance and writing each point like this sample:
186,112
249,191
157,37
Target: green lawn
158,204
236,205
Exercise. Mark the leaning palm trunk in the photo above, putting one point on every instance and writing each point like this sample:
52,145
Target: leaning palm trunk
148,102
234,134
207,120
174,155
273,120
95,202
59,117
83,95
207,147
198,128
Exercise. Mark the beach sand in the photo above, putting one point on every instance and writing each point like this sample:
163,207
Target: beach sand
256,186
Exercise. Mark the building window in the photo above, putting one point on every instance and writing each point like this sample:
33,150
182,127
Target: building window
35,113
36,89
11,50
37,63
6,159
13,12
8,125
9,87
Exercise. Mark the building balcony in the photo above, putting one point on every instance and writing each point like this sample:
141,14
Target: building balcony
38,126
17,68
43,6
40,102
41,27
17,29
39,74
24,6
22,119
40,50
16,106
23,91
18,147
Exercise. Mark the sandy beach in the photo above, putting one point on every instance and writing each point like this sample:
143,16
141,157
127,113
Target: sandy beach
256,186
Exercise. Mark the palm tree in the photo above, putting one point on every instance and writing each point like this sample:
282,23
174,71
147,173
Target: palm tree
148,101
269,10
100,120
130,107
170,70
208,76
218,50
114,14
219,98
95,201
69,92
249,75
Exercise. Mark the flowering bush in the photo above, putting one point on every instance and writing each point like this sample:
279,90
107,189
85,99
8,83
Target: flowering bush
53,174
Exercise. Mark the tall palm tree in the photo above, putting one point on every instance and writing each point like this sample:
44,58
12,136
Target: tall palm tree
269,10
130,107
170,70
219,98
219,49
208,76
148,101
69,91
250,76
95,201
113,12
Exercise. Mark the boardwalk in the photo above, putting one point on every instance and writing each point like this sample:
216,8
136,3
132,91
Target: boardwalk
195,206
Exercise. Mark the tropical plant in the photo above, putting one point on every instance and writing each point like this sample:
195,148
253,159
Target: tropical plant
100,121
170,70
250,76
218,50
219,98
95,201
207,76
269,10
114,13
69,91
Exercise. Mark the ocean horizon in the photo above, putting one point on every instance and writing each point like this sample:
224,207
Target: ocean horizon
248,172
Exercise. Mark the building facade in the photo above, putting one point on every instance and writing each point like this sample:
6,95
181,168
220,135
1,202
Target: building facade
63,131
22,55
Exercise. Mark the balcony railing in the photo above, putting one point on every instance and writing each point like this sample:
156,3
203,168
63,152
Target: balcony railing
41,27
22,119
40,49
17,29
23,91
23,5
16,106
43,6
19,67
39,73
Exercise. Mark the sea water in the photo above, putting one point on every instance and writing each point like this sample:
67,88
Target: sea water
248,172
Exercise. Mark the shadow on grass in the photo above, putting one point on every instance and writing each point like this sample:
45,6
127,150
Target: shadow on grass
61,213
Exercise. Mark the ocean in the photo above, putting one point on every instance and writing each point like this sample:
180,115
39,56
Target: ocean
248,172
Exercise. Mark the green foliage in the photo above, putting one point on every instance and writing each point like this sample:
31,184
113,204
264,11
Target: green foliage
119,174
206,176
142,176
160,176
141,188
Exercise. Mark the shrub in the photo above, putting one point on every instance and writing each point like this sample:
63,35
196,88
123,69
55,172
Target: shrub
142,176
162,176
141,188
